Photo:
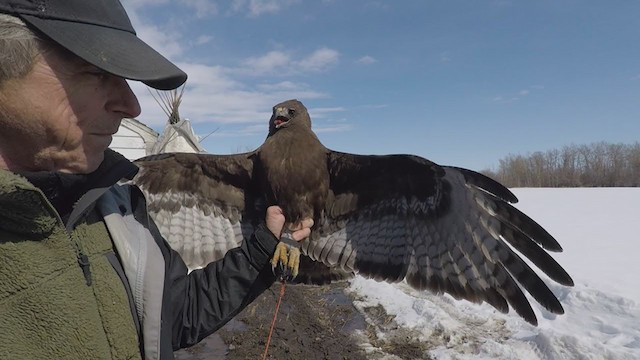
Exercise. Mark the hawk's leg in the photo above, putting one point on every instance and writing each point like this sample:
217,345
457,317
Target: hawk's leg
287,255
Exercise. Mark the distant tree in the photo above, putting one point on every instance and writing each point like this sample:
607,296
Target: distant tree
599,164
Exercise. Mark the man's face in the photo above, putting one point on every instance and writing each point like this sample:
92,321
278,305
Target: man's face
62,115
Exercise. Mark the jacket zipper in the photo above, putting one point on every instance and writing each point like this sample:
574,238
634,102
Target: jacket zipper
83,259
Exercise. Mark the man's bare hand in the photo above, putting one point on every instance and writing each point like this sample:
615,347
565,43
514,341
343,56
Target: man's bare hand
275,222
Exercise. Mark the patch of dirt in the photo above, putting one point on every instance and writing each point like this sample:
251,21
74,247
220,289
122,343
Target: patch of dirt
384,333
315,323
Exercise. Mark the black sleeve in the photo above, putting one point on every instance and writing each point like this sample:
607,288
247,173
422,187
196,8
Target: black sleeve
196,304
199,303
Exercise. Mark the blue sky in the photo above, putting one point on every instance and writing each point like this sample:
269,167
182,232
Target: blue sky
461,83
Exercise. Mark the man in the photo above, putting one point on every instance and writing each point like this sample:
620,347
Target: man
84,272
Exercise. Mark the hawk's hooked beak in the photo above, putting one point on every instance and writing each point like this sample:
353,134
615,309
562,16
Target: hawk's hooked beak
281,116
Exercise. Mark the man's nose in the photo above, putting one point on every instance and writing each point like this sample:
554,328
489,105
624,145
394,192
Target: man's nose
124,100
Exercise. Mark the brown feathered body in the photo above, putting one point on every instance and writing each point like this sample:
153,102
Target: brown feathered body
294,167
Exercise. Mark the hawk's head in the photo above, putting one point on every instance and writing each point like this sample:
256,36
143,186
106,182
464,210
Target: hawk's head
288,113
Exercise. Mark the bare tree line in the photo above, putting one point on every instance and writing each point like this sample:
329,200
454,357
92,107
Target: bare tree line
599,164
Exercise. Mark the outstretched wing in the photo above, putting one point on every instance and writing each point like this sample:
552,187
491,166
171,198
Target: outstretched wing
204,205
444,229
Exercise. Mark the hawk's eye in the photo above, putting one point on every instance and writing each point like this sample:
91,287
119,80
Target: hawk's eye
291,112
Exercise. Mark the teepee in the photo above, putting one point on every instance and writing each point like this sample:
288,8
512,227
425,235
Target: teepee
178,134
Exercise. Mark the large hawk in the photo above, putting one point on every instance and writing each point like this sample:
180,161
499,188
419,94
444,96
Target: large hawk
390,218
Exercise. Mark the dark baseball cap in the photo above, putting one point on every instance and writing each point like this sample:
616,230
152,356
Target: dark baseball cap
100,32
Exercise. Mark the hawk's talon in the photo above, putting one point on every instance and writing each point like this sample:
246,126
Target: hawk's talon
287,256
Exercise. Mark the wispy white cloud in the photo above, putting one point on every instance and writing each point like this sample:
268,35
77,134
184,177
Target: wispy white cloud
250,130
510,98
135,4
445,57
332,129
203,39
206,8
267,63
283,63
367,60
329,123
319,60
203,8
505,99
286,90
325,112
374,106
255,8
280,86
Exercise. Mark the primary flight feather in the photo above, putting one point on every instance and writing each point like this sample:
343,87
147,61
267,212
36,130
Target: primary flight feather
391,218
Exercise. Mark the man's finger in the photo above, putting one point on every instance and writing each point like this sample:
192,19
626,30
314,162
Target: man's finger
306,223
274,210
301,234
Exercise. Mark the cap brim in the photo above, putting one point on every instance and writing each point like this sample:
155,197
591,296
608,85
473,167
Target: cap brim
115,51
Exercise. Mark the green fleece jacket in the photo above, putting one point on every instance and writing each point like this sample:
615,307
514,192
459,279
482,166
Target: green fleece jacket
49,307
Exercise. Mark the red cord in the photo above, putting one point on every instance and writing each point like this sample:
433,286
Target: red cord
273,322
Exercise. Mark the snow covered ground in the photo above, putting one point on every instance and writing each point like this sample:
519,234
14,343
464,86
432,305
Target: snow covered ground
599,230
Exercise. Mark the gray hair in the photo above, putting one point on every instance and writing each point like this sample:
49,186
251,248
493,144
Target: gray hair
19,47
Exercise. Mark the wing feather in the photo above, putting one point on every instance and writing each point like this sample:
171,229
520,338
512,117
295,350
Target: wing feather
518,220
204,205
486,183
401,217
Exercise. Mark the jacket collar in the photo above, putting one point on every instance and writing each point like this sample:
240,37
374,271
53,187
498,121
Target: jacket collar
113,168
24,208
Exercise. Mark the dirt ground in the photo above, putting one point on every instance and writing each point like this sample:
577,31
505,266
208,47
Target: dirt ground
314,322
